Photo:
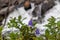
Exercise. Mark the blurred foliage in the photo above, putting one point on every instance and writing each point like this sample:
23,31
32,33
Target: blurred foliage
28,33
53,29
1,28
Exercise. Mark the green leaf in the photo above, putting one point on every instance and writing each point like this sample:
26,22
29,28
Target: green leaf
13,36
58,24
47,33
1,28
19,18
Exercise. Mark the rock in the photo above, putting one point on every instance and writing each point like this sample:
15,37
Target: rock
47,5
6,2
4,7
37,1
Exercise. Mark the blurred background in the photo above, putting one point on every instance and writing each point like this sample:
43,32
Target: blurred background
12,4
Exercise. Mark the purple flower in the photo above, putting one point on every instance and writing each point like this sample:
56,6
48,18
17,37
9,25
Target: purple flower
30,23
37,32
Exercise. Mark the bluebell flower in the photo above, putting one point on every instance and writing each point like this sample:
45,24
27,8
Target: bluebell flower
37,32
30,23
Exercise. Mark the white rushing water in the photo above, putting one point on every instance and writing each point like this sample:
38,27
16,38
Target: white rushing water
55,12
